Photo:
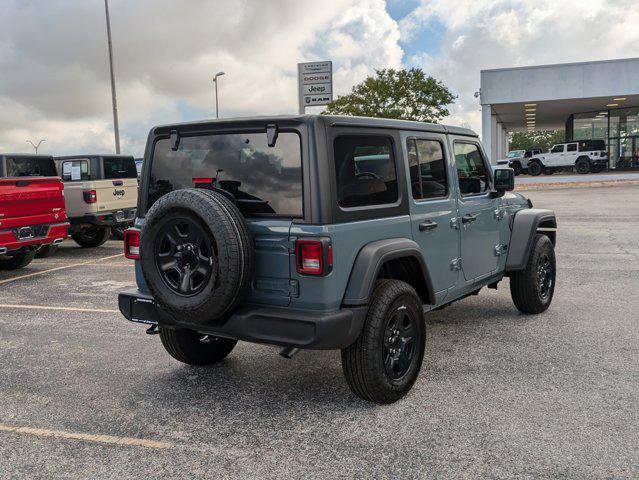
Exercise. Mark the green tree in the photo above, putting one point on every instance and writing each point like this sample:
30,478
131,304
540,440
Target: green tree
542,139
391,93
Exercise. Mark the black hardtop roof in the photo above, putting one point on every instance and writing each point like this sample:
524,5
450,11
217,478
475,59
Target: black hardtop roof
96,155
25,155
331,120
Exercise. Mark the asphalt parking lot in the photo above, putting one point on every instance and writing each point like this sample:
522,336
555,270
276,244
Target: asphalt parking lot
85,394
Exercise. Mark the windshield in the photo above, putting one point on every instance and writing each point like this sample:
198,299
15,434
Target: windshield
263,180
120,167
515,153
31,167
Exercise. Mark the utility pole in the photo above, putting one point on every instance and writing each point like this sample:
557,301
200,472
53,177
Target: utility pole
36,146
116,127
217,109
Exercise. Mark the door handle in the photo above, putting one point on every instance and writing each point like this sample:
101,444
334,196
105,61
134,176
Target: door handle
470,217
427,225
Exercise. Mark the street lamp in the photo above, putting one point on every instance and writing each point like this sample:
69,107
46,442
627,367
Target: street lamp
116,128
217,110
36,146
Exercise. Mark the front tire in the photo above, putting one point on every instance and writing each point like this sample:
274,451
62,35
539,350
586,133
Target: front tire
92,237
533,287
384,362
17,260
535,168
516,166
195,348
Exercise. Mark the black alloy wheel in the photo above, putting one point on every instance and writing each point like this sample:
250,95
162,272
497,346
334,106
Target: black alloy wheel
545,276
185,256
399,342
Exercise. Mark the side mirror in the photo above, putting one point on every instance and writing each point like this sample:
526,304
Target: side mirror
504,180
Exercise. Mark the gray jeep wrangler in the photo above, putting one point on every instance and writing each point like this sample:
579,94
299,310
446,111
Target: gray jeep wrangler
325,232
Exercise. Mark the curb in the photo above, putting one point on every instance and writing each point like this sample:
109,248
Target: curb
552,186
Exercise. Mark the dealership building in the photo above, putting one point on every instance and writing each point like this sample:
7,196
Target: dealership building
589,100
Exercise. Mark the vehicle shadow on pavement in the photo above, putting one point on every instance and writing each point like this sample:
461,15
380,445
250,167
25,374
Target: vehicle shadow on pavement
255,378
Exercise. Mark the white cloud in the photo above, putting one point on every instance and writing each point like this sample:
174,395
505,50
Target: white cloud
483,34
55,82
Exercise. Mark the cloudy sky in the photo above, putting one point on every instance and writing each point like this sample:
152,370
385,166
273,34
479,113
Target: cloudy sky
54,80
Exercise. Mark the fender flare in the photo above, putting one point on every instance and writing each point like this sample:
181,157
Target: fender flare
370,260
525,224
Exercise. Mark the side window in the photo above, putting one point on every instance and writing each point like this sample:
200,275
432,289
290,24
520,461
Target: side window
557,149
572,147
471,169
75,170
427,169
365,170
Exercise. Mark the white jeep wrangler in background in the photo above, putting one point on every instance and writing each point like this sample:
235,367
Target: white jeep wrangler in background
584,156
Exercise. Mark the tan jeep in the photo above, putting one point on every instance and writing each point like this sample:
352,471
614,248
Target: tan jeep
101,193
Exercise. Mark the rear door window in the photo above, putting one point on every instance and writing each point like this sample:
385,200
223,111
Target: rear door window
471,169
75,171
571,147
30,167
119,168
365,170
263,180
427,169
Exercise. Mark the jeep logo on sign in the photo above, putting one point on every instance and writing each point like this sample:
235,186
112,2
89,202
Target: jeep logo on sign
118,193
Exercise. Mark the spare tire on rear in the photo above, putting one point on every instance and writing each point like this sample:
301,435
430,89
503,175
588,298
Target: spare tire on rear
196,255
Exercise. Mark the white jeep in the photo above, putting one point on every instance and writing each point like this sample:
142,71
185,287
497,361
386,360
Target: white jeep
584,156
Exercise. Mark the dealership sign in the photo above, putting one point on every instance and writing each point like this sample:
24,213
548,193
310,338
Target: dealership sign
315,84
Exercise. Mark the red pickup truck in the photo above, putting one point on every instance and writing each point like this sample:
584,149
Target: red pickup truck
32,213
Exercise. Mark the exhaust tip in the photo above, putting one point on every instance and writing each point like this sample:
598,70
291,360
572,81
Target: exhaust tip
289,352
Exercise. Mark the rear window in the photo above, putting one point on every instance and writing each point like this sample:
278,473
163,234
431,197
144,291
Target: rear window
30,167
264,180
119,168
75,171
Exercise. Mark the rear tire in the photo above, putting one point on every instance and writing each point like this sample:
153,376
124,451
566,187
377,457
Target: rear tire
535,168
533,287
17,260
582,165
92,237
384,362
195,348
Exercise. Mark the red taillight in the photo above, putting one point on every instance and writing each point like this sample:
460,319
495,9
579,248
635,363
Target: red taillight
132,243
313,257
90,196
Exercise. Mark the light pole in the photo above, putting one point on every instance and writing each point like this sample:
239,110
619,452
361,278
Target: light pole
217,110
116,127
36,146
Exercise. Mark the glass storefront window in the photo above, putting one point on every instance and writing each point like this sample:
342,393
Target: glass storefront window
590,126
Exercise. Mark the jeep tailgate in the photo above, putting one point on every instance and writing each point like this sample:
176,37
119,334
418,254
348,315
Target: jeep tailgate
116,194
272,282
31,201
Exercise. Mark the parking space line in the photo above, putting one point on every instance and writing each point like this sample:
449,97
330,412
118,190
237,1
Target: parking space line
59,268
66,309
127,441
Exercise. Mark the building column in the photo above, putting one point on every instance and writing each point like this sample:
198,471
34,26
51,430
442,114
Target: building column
500,142
486,130
504,145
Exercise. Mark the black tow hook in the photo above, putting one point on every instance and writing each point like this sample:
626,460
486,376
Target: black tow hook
289,352
153,330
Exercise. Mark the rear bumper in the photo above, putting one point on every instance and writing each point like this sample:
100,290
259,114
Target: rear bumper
10,240
276,326
105,219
